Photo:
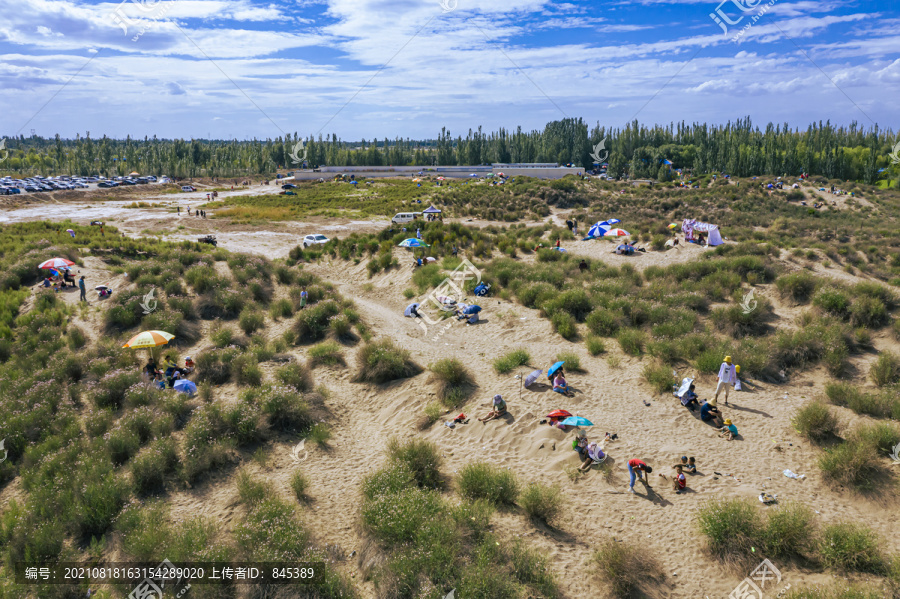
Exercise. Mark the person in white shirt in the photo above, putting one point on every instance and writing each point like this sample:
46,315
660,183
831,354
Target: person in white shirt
727,378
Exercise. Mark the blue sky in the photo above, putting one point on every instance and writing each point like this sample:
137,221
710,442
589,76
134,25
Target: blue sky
386,68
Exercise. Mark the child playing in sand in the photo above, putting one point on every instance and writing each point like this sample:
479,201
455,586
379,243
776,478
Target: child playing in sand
580,444
691,465
636,469
729,431
498,411
595,455
689,400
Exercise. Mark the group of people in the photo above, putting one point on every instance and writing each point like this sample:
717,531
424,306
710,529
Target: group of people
727,379
166,376
65,278
627,249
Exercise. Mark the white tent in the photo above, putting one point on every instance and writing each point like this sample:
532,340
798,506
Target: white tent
691,225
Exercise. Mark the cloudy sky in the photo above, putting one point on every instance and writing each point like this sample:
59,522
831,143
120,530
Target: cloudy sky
387,68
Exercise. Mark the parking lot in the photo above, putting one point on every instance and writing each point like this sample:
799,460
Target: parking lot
38,184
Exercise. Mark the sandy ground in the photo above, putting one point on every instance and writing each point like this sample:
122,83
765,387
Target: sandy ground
653,428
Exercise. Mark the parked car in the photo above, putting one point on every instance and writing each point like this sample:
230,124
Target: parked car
288,186
314,240
186,188
107,184
405,217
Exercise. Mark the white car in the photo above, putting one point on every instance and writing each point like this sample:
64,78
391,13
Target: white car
313,240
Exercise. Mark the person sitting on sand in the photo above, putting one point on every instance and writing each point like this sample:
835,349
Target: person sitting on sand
729,431
580,444
560,385
498,411
679,482
583,266
47,282
689,399
691,466
595,455
636,469
709,412
188,365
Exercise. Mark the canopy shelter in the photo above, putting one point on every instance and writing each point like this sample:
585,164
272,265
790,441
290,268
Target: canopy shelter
689,226
149,339
431,210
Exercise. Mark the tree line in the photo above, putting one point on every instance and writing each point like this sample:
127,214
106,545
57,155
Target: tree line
636,151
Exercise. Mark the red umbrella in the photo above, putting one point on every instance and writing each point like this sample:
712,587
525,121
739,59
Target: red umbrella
56,263
558,414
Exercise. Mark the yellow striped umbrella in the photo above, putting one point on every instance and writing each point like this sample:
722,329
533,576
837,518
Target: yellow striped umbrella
149,339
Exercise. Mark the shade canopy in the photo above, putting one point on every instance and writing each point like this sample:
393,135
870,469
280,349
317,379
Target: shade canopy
56,263
149,339
431,210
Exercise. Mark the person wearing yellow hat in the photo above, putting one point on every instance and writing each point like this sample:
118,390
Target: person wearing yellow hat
727,377
710,413
729,431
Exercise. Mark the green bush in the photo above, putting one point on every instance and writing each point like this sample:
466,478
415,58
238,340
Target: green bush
320,434
885,370
286,408
852,464
869,312
851,547
512,360
542,502
564,324
595,345
299,485
481,480
213,366
603,322
798,286
731,527
251,321
329,353
422,458
122,444
110,390
836,591
454,380
631,341
150,467
790,530
659,376
295,375
832,301
883,436
624,568
883,405
815,422
282,308
572,360
245,370
382,361
313,322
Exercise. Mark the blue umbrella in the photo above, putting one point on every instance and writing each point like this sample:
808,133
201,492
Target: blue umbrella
532,377
473,309
410,308
412,242
185,386
598,229
561,249
552,370
577,421
613,221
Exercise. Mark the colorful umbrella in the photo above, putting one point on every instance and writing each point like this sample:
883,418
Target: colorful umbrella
532,377
673,225
559,414
616,233
577,421
56,263
599,229
552,370
412,242
149,339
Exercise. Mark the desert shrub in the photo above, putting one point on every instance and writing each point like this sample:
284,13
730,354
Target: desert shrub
320,434
122,444
572,360
75,337
790,530
631,341
883,436
883,405
815,422
299,485
852,464
832,301
532,567
329,353
564,324
150,467
542,502
734,320
624,568
574,302
798,286
851,547
659,376
835,591
454,380
250,321
245,370
282,308
401,516
222,337
512,360
285,407
885,370
595,345
213,366
603,322
242,422
382,361
250,490
421,457
731,528
110,390
142,394
480,480
295,375
312,323
340,327
869,312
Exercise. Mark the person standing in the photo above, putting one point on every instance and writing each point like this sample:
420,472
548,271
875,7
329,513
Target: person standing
83,289
636,469
727,378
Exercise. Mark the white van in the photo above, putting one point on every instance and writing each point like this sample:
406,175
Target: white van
188,188
406,217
